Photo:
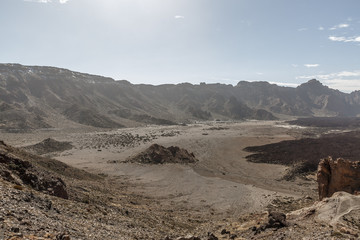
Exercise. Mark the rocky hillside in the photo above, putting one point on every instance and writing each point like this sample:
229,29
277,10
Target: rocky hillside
47,97
42,198
309,99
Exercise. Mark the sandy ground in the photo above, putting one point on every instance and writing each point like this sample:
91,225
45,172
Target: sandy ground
222,180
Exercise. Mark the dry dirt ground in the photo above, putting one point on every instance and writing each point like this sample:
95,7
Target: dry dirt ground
222,182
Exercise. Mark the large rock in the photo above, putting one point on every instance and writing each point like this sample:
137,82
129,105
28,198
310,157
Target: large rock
338,175
341,211
157,154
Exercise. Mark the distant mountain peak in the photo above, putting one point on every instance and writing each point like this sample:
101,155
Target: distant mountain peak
35,97
255,83
312,85
314,82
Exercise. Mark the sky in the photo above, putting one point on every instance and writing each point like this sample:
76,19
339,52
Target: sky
174,41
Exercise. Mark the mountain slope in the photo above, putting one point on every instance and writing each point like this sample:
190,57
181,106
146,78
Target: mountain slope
43,97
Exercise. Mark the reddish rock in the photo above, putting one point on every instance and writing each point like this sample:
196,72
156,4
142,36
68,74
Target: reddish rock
338,175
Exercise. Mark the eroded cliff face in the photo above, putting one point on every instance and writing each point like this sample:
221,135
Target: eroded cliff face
338,175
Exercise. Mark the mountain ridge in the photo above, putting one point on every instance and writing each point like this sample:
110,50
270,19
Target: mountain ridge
41,97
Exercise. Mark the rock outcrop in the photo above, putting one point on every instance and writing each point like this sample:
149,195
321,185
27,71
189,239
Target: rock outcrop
157,154
340,212
338,175
23,172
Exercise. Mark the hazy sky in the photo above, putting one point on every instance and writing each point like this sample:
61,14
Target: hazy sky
173,41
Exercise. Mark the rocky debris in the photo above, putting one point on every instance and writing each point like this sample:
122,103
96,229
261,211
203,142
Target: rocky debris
189,237
96,208
341,212
157,154
109,211
20,172
275,220
337,217
47,146
118,140
338,175
289,204
210,236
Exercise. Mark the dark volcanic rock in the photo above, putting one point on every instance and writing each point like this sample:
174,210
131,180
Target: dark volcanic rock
157,154
304,155
328,122
276,220
338,175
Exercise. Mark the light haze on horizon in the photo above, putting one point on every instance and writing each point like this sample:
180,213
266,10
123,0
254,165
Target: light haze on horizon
173,41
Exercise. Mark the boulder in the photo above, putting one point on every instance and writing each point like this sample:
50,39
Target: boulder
338,175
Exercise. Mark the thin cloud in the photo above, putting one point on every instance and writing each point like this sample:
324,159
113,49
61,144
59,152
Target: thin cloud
294,65
346,85
345,80
345,39
341,25
302,29
311,65
341,74
46,1
321,28
179,17
285,84
39,1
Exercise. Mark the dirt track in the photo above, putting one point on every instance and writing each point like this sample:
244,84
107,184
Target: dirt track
222,180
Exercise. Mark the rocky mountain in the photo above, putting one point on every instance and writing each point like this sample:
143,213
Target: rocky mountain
309,99
47,97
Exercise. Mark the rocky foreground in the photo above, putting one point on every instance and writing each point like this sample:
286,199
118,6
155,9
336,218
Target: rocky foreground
42,198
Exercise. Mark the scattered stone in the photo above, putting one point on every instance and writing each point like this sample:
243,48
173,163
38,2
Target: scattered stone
211,236
15,229
233,236
63,236
189,237
276,220
224,231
